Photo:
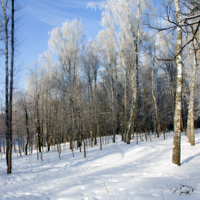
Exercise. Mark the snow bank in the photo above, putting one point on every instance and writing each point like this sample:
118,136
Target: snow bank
119,171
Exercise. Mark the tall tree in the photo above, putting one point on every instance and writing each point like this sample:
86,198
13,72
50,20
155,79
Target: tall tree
190,121
11,88
109,62
6,20
176,155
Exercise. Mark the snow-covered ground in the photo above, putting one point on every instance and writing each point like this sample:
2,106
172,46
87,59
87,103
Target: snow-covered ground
119,171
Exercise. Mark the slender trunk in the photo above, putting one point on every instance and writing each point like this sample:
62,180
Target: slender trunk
98,128
184,116
89,107
95,112
113,109
11,91
38,127
125,99
27,131
157,122
145,111
171,92
190,128
8,155
135,80
4,151
125,105
49,124
176,155
133,109
135,85
192,90
154,123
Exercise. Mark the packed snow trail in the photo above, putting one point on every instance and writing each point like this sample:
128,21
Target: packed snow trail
119,171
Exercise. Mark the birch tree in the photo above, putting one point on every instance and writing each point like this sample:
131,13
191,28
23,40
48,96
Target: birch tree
124,16
195,49
11,86
8,87
176,156
6,20
109,62
66,42
91,68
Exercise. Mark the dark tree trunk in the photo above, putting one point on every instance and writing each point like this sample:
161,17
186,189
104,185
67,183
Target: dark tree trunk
11,92
8,152
27,130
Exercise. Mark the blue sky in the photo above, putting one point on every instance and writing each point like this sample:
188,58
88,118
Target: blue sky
41,16
38,17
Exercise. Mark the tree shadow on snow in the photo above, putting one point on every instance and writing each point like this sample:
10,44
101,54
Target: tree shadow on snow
190,158
197,142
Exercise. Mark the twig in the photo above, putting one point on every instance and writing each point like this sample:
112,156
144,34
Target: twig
184,192
162,195
187,186
174,190
106,187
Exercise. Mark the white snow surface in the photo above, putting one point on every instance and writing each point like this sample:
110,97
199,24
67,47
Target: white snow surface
141,171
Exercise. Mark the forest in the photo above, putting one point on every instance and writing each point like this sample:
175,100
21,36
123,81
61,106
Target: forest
138,78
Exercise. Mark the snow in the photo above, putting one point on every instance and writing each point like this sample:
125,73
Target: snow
137,171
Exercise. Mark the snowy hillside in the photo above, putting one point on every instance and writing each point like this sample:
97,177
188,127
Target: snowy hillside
119,171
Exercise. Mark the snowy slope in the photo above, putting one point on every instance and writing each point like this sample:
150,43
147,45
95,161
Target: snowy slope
119,171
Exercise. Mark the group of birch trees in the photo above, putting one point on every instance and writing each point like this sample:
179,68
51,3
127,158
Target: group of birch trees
136,78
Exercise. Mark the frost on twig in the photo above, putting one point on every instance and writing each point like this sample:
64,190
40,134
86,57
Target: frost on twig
174,190
92,5
184,192
106,187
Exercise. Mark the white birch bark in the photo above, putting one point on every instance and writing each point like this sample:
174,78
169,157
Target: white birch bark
135,82
125,97
192,139
190,122
157,121
176,157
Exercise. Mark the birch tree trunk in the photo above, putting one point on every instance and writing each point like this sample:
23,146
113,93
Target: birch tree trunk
11,88
27,131
113,107
6,19
132,110
192,139
157,121
135,76
38,124
48,120
190,122
95,111
125,99
176,156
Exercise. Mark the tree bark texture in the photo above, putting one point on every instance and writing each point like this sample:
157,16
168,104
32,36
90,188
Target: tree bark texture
8,154
176,155
157,121
190,122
